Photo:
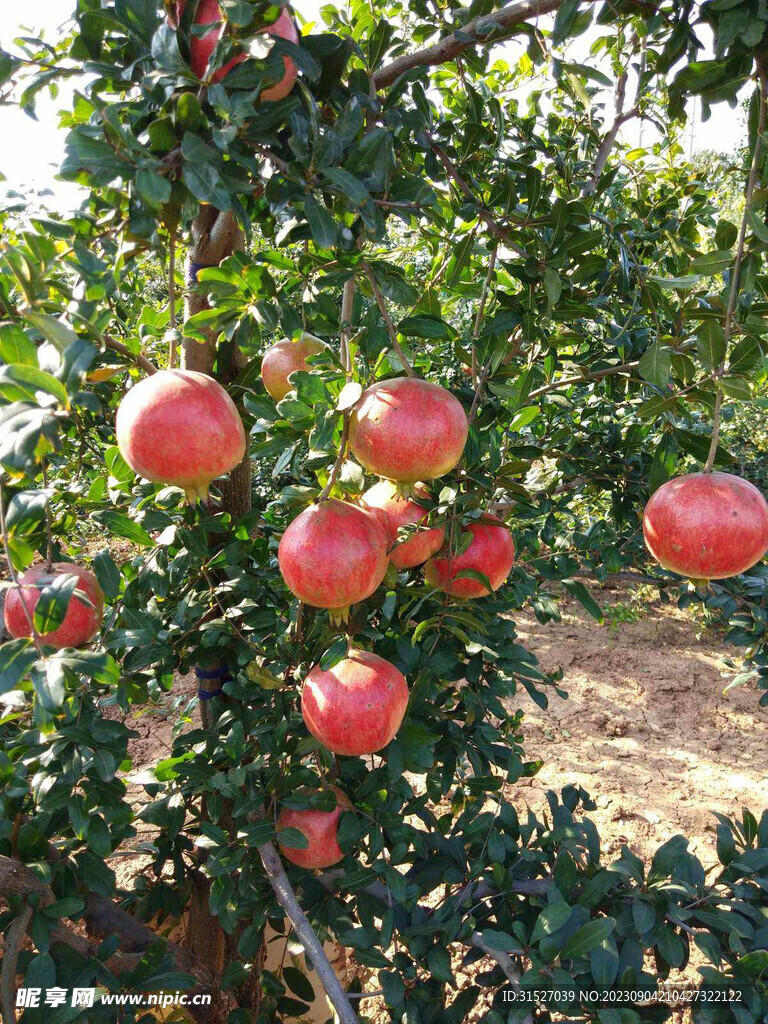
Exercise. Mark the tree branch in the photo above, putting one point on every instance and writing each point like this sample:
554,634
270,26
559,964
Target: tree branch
286,897
501,232
103,918
567,381
485,29
117,346
16,934
391,330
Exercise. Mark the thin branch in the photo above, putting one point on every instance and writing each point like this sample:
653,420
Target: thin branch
485,29
323,495
505,962
480,312
136,357
16,934
501,232
286,897
391,329
567,381
347,308
736,273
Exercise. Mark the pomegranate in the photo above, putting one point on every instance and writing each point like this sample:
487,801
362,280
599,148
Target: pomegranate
180,427
320,828
201,47
357,706
707,526
283,358
399,511
83,617
408,430
333,555
491,551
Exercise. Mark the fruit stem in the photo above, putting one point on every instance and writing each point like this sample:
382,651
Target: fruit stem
391,330
736,272
48,523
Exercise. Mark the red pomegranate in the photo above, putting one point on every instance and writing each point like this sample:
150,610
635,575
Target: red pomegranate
491,551
320,828
283,358
209,13
333,555
357,706
399,511
407,430
707,526
180,427
83,617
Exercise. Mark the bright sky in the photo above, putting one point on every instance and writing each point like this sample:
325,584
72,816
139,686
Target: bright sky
33,150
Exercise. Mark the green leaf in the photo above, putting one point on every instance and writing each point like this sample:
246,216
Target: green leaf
655,364
21,382
15,346
424,327
712,263
710,344
56,592
292,838
299,984
153,188
16,659
682,283
324,229
500,940
551,919
587,938
121,526
577,589
334,654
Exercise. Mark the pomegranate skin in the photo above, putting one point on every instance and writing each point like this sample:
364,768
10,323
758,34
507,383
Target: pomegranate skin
333,555
201,47
81,621
283,358
320,828
180,427
400,511
492,552
357,706
707,526
408,430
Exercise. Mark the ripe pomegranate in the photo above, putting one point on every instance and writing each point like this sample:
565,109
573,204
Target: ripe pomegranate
399,511
201,47
283,358
180,427
82,619
357,706
333,555
707,526
320,828
407,430
491,551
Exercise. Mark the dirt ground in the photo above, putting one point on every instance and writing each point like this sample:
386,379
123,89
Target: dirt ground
647,730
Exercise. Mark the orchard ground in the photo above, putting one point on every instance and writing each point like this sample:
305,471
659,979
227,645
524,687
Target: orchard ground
647,731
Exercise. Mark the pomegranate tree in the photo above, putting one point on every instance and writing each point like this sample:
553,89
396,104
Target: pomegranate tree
333,555
208,12
357,706
491,552
320,829
408,430
84,613
180,427
400,511
707,526
283,358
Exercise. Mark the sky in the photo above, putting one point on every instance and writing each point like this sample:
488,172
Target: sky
32,150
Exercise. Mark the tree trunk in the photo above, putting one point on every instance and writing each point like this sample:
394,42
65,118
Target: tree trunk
214,236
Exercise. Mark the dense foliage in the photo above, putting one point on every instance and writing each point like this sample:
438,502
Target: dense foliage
593,309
